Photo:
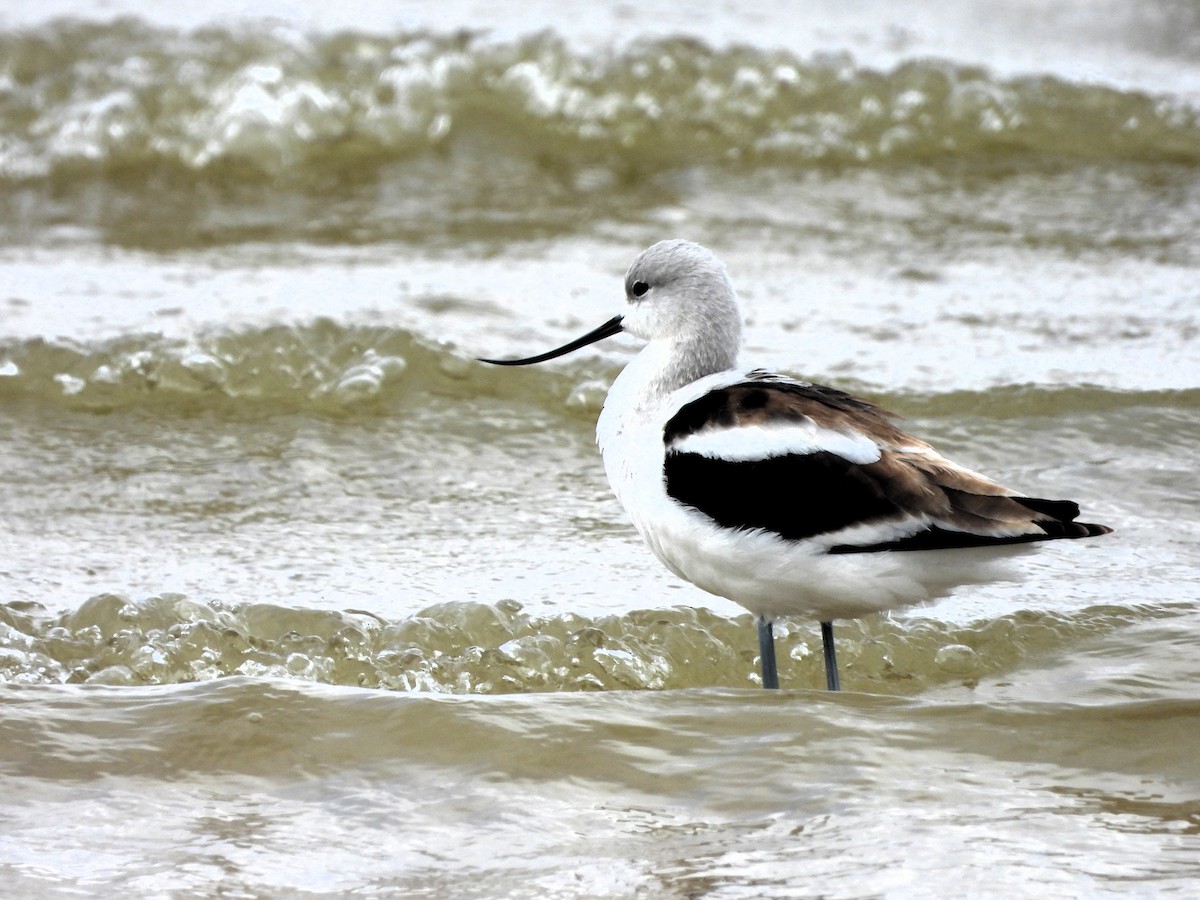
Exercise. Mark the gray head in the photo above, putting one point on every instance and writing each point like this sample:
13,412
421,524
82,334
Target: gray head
675,291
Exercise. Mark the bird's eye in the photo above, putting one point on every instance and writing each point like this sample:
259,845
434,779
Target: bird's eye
639,288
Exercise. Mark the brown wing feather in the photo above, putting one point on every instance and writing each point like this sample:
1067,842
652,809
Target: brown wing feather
764,399
911,480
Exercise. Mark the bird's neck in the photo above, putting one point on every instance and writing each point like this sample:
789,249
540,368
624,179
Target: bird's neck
660,369
676,364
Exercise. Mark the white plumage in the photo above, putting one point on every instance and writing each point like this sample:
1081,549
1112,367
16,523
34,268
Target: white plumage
789,498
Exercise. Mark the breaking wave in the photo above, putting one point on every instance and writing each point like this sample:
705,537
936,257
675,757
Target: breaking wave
141,105
468,647
324,367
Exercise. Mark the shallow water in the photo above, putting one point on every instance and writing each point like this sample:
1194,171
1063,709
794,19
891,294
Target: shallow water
298,598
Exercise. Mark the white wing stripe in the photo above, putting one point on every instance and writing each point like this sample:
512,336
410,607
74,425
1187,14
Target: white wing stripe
753,442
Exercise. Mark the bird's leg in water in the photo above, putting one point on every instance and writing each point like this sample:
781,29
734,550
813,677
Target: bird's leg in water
831,672
766,653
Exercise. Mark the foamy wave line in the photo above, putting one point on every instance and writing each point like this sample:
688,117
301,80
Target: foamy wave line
124,96
322,366
465,647
327,368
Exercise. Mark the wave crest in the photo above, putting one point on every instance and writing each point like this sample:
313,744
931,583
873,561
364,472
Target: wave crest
268,103
467,647
322,367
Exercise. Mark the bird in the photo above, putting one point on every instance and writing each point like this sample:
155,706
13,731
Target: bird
792,499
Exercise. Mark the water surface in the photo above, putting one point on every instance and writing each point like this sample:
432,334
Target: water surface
298,598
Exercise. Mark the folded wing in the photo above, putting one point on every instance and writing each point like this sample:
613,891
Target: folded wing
809,462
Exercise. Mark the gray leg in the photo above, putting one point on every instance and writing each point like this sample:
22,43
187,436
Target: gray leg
766,652
831,672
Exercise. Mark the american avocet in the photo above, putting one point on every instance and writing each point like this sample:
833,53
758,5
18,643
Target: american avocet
788,498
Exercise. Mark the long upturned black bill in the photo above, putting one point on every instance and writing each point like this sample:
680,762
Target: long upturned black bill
608,329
